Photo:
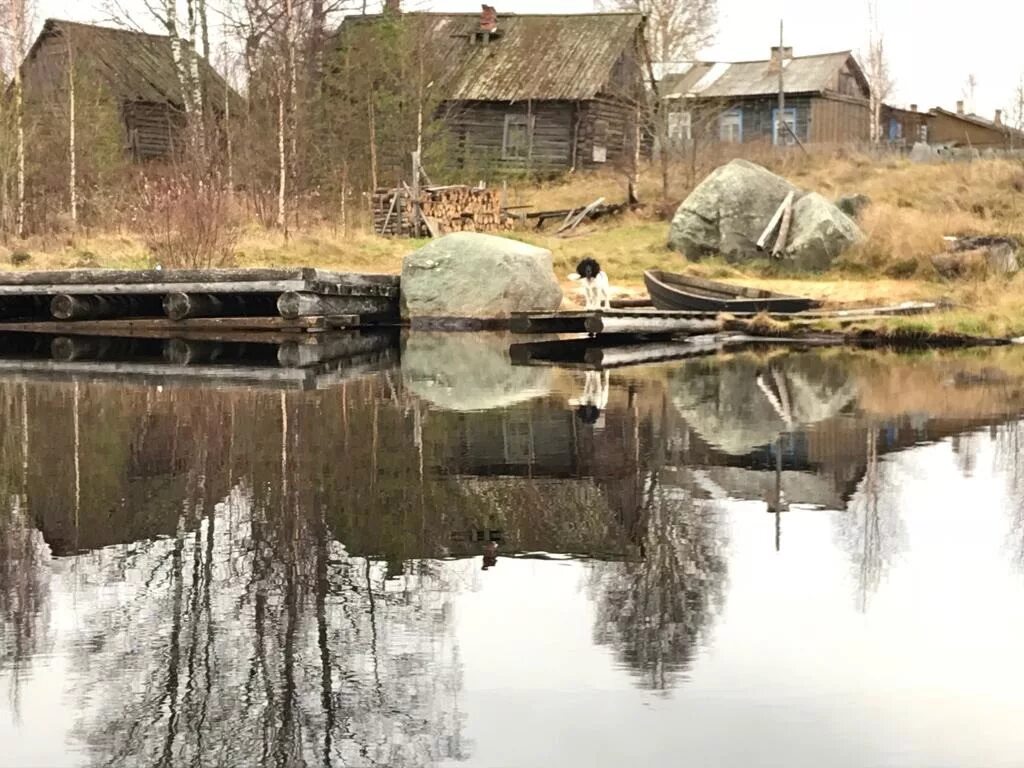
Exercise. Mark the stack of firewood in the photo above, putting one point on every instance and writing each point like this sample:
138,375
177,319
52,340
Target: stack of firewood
440,210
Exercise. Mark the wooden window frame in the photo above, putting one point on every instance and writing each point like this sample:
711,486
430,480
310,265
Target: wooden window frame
514,120
736,113
789,116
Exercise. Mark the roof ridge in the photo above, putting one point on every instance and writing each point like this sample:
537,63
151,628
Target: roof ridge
826,55
121,30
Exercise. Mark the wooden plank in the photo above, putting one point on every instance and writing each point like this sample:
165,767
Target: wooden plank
787,218
121,289
104,327
773,223
178,276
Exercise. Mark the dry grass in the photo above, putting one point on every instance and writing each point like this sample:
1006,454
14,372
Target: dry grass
913,207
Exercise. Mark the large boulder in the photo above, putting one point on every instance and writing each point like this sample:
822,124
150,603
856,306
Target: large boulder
472,275
728,211
820,232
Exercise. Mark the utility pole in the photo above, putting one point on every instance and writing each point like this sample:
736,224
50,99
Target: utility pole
782,88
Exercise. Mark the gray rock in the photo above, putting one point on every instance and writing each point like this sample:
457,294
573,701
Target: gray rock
728,211
463,372
979,256
923,153
819,234
472,275
853,205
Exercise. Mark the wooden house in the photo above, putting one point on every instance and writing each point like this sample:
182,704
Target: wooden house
131,72
904,127
962,129
530,93
826,100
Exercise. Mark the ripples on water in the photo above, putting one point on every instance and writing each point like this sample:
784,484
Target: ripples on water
771,559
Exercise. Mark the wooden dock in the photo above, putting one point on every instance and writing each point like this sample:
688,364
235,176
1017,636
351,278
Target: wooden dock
263,298
656,322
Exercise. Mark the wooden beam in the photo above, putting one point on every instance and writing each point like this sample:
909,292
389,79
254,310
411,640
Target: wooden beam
762,241
133,288
787,218
179,276
294,304
66,306
182,306
653,323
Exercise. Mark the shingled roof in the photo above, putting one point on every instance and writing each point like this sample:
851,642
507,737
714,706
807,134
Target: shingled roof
135,66
804,74
533,57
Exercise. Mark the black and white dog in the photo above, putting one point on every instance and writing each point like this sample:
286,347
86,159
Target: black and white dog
596,291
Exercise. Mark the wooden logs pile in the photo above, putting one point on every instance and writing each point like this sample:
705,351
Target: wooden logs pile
438,211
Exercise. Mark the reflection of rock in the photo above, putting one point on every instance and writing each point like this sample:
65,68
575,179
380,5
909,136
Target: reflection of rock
459,372
743,403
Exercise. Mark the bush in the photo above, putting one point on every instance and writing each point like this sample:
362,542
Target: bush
187,220
20,257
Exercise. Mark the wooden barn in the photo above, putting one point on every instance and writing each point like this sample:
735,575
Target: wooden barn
539,94
826,100
130,72
962,129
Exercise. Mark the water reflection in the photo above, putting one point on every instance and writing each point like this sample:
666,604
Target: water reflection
253,577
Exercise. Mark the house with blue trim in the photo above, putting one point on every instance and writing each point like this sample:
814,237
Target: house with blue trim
826,100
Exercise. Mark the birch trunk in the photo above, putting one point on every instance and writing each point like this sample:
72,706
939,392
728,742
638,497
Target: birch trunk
171,25
282,163
193,61
19,118
291,126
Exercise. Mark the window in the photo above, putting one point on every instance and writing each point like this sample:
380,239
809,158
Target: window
895,129
730,127
516,142
784,133
680,126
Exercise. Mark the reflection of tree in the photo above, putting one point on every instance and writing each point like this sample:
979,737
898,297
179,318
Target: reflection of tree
871,527
655,611
24,576
1009,446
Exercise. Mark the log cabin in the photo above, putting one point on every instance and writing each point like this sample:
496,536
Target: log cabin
528,93
827,100
130,72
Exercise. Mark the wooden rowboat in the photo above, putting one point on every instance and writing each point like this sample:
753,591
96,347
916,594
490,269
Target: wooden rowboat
672,291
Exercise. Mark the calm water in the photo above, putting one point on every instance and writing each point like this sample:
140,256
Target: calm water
759,559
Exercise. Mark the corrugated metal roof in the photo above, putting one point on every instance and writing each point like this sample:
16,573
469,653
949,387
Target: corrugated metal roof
803,74
534,57
134,65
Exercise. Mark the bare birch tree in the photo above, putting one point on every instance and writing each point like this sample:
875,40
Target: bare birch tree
676,30
877,70
18,17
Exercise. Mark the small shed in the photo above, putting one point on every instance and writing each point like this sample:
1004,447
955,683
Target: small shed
540,93
132,71
827,100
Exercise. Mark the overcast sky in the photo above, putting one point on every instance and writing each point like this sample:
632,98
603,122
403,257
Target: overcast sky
933,48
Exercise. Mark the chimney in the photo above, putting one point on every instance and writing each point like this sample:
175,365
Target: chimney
960,107
488,19
913,107
999,117
392,6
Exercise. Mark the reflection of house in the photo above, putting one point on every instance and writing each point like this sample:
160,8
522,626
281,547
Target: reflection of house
529,92
826,100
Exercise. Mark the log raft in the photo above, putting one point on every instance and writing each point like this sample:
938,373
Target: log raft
90,295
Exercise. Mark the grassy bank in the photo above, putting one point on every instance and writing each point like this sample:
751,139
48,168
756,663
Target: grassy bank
913,207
